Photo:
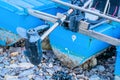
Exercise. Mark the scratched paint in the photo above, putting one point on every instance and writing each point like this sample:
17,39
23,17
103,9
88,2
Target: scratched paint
67,59
7,38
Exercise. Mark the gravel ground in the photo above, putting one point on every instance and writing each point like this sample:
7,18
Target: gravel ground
15,66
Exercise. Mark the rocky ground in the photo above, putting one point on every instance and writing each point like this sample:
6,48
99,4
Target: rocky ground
15,66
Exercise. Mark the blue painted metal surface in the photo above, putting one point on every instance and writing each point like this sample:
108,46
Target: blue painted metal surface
79,47
68,45
14,14
117,65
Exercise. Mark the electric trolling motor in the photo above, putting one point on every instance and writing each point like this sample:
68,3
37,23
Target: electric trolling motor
33,39
32,43
33,47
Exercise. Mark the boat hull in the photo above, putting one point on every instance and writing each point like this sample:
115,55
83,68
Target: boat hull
73,48
14,14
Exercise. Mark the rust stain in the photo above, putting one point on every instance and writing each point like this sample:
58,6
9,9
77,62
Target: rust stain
90,40
8,37
66,59
8,40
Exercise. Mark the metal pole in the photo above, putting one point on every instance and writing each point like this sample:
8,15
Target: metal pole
105,10
42,15
87,3
55,25
100,36
96,25
86,10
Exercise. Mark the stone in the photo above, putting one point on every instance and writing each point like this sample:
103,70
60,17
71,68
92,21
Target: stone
50,71
1,59
93,62
44,56
12,66
23,59
82,77
26,65
6,62
94,77
117,78
1,50
41,74
57,68
4,71
85,66
109,74
94,69
12,61
48,77
31,76
39,78
45,44
1,65
26,73
5,54
14,58
44,65
24,78
50,65
13,73
8,77
13,54
1,78
21,65
101,68
24,70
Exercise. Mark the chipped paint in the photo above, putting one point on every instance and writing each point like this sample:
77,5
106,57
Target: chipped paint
8,38
74,37
67,59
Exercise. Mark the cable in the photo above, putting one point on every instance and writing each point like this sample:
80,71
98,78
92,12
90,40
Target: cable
115,11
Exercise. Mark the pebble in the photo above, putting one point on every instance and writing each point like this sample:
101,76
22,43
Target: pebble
15,67
1,59
94,69
94,77
50,65
31,76
4,71
6,62
39,78
57,68
48,77
5,54
50,71
100,68
13,54
26,73
14,58
82,77
12,61
1,65
8,77
24,78
117,78
26,65
12,66
1,50
1,78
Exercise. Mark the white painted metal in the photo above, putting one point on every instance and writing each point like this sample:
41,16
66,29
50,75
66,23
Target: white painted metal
86,10
87,3
106,6
99,36
105,21
55,25
42,15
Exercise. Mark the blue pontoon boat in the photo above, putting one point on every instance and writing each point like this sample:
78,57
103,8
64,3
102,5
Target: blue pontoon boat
78,29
